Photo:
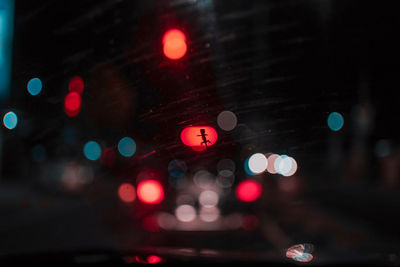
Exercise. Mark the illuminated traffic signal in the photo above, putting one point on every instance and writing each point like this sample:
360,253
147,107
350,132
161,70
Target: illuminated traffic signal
174,44
199,137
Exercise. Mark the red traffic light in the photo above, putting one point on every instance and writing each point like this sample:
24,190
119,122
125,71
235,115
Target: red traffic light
174,44
199,137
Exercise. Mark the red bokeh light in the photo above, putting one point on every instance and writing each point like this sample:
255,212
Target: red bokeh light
192,136
150,192
127,193
153,259
248,191
72,104
76,84
174,44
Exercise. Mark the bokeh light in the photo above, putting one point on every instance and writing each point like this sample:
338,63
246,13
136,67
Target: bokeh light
203,179
177,168
10,120
76,84
150,191
166,221
300,253
152,259
196,136
72,104
257,163
248,191
127,192
208,198
271,162
225,178
285,165
174,44
335,121
227,120
209,214
34,86
185,213
127,147
92,150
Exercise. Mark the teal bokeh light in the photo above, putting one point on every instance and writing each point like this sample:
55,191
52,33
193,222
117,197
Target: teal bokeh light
10,120
127,147
92,150
335,121
34,86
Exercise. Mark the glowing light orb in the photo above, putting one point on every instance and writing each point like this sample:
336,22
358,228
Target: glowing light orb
227,120
127,192
271,162
208,198
248,191
185,213
92,150
209,214
76,84
72,104
174,44
10,120
150,191
34,86
335,121
127,147
257,163
152,259
199,137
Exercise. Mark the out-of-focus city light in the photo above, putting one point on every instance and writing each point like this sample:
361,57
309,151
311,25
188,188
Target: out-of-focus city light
34,86
209,214
299,253
203,179
76,84
10,120
208,198
225,178
174,44
177,168
127,147
335,121
166,221
227,120
285,165
248,191
150,191
199,137
127,192
92,150
152,259
271,162
72,104
38,153
257,163
185,213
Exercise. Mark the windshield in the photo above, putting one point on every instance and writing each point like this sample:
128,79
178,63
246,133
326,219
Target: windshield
252,130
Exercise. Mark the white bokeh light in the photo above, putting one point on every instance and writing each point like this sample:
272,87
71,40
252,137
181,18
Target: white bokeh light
258,163
208,198
209,214
185,213
227,120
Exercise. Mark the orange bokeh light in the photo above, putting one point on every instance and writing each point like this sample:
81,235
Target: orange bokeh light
193,136
150,192
174,44
126,192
